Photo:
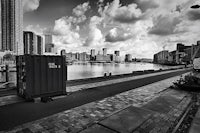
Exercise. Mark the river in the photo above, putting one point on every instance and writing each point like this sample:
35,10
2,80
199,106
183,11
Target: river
89,70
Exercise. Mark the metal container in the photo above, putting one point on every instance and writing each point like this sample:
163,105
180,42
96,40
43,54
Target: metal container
41,76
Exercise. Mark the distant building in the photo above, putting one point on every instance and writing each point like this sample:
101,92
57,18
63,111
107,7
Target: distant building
194,50
11,26
48,39
40,45
103,58
183,54
172,58
92,55
104,51
117,53
50,48
161,57
117,56
128,58
30,43
48,42
112,57
83,56
77,56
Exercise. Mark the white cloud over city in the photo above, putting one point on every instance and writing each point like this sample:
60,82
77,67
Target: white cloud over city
30,5
140,28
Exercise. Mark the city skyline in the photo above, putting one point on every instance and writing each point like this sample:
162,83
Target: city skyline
139,27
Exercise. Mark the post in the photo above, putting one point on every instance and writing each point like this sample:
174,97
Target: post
7,72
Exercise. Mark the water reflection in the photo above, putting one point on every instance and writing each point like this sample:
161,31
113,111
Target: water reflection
88,70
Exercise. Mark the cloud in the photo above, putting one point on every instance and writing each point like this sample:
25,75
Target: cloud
64,30
81,9
144,5
30,5
193,15
95,36
117,35
164,25
79,12
123,14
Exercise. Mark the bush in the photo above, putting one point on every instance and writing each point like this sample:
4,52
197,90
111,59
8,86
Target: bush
188,83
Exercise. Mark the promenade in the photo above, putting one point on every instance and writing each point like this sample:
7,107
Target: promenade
151,108
78,118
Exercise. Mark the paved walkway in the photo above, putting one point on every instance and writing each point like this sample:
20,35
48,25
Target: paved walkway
6,100
195,127
100,115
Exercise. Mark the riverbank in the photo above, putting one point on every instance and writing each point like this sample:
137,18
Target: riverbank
154,107
22,112
11,88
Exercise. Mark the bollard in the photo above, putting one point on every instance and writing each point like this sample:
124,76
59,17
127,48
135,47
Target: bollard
7,72
104,74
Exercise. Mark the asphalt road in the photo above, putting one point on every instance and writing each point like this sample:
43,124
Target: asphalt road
20,113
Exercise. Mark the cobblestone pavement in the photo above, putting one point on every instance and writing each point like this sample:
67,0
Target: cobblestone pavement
195,127
80,118
15,99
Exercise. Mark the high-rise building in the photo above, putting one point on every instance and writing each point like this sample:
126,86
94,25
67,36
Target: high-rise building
0,28
48,42
92,52
92,55
48,39
39,45
12,26
30,43
104,51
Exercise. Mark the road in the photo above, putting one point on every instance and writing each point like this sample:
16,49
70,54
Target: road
20,113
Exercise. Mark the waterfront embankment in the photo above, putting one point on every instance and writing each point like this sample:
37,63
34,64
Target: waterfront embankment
23,112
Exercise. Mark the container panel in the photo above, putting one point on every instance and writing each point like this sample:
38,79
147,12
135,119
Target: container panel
45,75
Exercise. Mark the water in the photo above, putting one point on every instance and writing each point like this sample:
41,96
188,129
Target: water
88,70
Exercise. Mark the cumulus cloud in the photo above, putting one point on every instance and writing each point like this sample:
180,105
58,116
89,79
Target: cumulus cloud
81,9
95,36
193,15
144,5
64,31
123,14
117,35
79,12
164,25
30,5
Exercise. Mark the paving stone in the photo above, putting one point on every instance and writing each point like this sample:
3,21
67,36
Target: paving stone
126,120
84,116
98,129
195,128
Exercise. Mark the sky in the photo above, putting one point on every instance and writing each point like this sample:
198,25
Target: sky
138,27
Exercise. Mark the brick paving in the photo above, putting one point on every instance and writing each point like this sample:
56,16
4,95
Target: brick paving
79,118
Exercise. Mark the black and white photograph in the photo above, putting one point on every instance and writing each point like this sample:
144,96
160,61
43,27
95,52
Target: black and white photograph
99,66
